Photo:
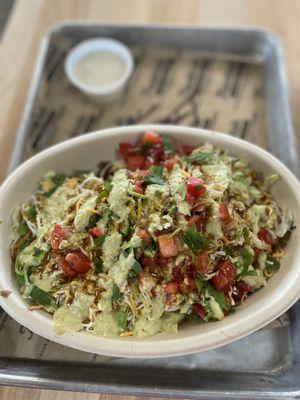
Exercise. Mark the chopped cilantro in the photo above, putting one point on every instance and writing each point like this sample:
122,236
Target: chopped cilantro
121,317
246,256
127,251
107,186
24,241
198,158
168,147
156,170
247,272
38,252
58,180
116,293
245,232
272,264
155,176
194,240
93,221
31,213
99,241
136,269
173,209
42,297
229,250
153,245
218,296
20,278
146,147
199,283
98,265
23,229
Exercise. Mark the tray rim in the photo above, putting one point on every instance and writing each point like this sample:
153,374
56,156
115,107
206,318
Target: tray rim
266,34
16,378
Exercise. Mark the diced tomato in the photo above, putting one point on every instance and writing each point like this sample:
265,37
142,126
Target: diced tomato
178,243
144,235
256,257
265,235
169,163
192,283
224,212
228,270
151,137
125,149
157,154
163,262
199,310
135,161
148,261
195,187
256,253
188,150
202,263
244,286
67,268
192,220
199,220
138,188
240,290
167,246
59,234
148,163
219,282
198,208
201,223
177,274
171,288
96,232
187,284
190,199
78,261
224,277
75,263
184,287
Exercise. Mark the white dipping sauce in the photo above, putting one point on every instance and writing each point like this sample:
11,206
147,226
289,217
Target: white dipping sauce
100,68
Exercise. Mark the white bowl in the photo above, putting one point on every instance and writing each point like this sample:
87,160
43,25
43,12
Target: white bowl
85,152
106,92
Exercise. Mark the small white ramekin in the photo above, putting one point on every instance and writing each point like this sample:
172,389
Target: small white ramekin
103,93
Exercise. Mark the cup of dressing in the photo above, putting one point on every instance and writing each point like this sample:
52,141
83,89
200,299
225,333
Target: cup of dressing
99,67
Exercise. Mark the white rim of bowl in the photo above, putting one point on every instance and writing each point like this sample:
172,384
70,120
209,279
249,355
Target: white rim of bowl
94,45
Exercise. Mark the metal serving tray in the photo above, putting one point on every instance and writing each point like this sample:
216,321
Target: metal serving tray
230,80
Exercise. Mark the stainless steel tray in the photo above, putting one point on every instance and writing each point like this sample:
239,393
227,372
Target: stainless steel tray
224,79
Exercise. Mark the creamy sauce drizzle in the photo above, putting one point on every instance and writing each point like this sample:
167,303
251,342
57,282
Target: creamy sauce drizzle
100,68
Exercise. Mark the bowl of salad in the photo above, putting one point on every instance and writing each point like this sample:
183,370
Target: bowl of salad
149,241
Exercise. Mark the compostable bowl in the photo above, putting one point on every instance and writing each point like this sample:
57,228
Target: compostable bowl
85,152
